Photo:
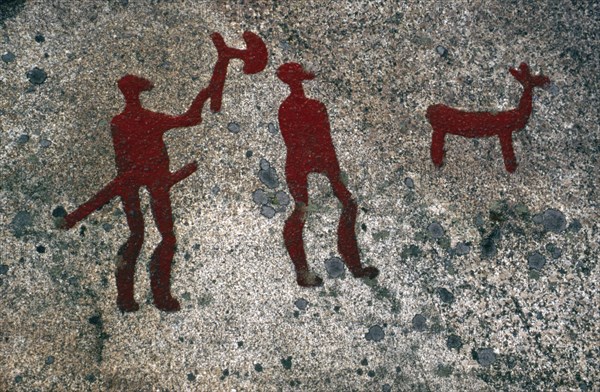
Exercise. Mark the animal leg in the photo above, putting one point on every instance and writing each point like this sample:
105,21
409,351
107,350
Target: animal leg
508,152
437,147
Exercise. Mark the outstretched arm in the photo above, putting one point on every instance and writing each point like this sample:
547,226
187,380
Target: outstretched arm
255,58
214,90
193,116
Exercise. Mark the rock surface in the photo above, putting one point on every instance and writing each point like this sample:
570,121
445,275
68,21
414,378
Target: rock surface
503,321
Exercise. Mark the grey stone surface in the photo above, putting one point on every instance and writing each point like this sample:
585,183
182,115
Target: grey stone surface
536,261
377,70
419,323
335,267
260,197
554,220
234,127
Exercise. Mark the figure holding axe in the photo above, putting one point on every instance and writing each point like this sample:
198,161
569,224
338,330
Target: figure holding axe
142,161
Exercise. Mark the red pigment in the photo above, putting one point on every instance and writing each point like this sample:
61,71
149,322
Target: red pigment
446,120
305,128
142,161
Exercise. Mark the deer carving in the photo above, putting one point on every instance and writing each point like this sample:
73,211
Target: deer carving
446,120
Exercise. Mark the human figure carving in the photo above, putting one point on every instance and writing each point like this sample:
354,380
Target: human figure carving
444,120
306,132
142,161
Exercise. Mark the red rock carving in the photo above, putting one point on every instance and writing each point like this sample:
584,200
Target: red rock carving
305,128
444,120
142,160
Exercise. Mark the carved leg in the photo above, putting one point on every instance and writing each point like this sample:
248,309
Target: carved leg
510,161
292,232
160,262
129,252
347,245
437,148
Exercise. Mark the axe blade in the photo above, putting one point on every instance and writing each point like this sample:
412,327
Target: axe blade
255,55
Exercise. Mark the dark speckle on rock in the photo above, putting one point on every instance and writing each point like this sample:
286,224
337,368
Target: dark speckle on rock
409,182
268,175
3,269
435,230
59,212
272,128
441,50
282,199
419,323
536,261
488,244
479,222
554,220
335,267
575,226
18,379
24,138
286,363
301,303
215,190
224,374
249,154
386,388
39,38
20,223
371,373
553,250
264,164
364,362
8,57
269,178
445,295
454,341
375,334
258,367
462,249
107,227
486,356
191,377
233,127
37,76
267,211
96,320
49,360
90,378
45,143
40,249
260,197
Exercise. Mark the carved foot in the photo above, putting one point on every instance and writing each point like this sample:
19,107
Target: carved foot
127,305
367,272
167,304
309,279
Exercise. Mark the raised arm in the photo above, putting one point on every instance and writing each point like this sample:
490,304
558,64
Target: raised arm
255,58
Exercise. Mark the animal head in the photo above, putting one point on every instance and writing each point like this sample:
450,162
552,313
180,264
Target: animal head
524,76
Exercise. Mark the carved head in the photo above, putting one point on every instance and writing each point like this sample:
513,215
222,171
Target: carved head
291,73
132,86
